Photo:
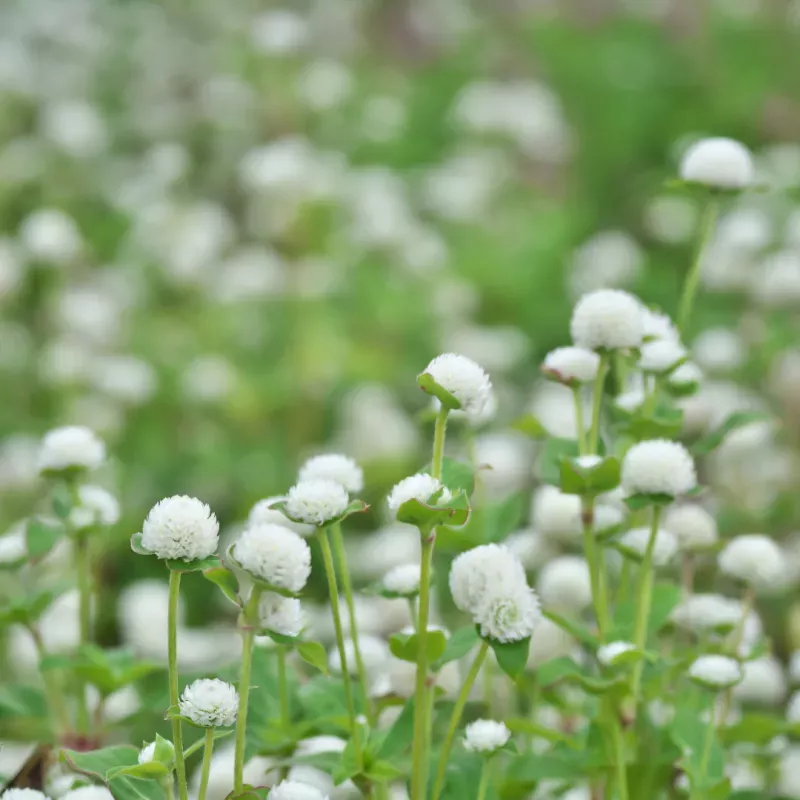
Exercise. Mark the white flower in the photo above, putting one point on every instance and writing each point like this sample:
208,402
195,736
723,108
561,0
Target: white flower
180,527
374,652
555,514
70,447
50,235
294,790
664,548
275,555
660,356
333,467
403,579
609,653
658,466
658,326
97,507
485,736
464,379
261,514
564,583
147,753
695,528
472,573
686,374
716,671
88,793
703,612
793,709
417,487
508,612
607,318
719,163
210,702
571,365
282,615
763,682
23,794
316,502
606,517
754,559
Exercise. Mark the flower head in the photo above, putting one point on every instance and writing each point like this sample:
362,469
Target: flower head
716,671
210,702
486,736
754,559
23,794
403,579
658,466
333,467
664,548
508,613
263,513
571,365
477,570
316,502
555,514
419,487
147,753
564,583
661,355
687,374
88,793
279,614
608,318
295,790
609,653
71,447
704,612
719,163
464,379
97,507
694,527
275,555
180,527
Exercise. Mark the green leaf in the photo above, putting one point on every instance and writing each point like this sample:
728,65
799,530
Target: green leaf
564,765
511,656
18,701
690,736
714,439
400,735
348,766
62,500
406,646
98,763
589,481
530,426
574,629
425,516
196,565
458,645
665,597
428,385
313,653
555,450
636,502
226,581
530,728
138,547
556,670
42,536
500,519
758,729
665,423
150,770
381,771
458,476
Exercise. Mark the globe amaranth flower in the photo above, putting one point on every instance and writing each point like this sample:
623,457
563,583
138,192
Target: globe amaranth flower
486,736
88,793
564,583
700,613
210,703
23,794
693,526
147,753
419,487
658,466
608,318
295,790
716,671
686,375
571,365
473,572
464,379
555,514
262,513
333,467
664,548
279,614
508,613
403,579
719,163
70,447
275,555
96,506
660,356
754,559
316,502
180,527
609,653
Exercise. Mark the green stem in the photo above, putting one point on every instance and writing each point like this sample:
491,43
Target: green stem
55,699
84,577
333,590
174,699
624,582
736,641
247,624
412,610
698,791
484,783
283,687
707,222
579,423
207,751
166,785
597,403
455,718
618,744
347,586
597,581
438,442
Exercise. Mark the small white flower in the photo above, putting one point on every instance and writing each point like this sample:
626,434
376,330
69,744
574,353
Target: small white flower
555,514
658,466
763,682
210,702
664,548
49,235
715,671
374,652
571,365
147,753
718,162
658,326
403,579
97,507
295,790
473,572
417,487
606,517
695,528
261,514
71,447
485,736
702,612
275,555
608,318
180,527
754,559
564,583
88,793
23,794
316,502
686,374
282,615
793,709
660,356
464,379
609,653
508,612
13,544
631,400
333,467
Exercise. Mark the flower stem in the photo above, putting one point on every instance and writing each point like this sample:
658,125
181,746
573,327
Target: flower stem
455,718
51,685
347,586
484,783
597,581
619,756
693,276
597,403
172,646
166,785
736,641
246,623
84,577
438,442
208,749
333,590
579,423
698,791
283,687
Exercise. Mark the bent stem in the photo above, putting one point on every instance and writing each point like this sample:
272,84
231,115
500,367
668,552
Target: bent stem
208,749
693,276
172,648
455,718
84,577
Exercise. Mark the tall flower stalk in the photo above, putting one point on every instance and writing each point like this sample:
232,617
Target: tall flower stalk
248,623
174,688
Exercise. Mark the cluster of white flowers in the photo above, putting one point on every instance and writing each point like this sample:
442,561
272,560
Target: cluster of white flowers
754,559
210,703
295,790
274,554
719,163
182,528
608,654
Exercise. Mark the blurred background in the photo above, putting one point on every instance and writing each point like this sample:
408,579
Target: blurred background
234,233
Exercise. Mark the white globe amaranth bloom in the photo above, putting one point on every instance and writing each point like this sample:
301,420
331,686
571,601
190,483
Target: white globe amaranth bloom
88,793
23,794
694,527
97,506
687,374
658,466
754,559
421,487
295,790
793,709
609,653
716,671
210,703
664,548
275,555
180,527
660,356
403,579
70,447
719,163
608,318
464,379
475,571
571,365
763,682
701,613
147,753
564,583
279,614
555,514
508,613
486,736
261,513
316,502
657,326
333,467
375,655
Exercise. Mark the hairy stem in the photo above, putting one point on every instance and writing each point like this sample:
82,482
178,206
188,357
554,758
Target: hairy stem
172,646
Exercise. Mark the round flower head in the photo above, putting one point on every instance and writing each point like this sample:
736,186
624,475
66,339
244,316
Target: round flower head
262,513
754,559
609,653
316,502
275,555
485,736
97,507
660,356
71,447
608,318
147,753
571,365
715,671
658,325
693,526
564,583
210,702
508,613
279,614
180,527
23,794
658,466
555,514
687,374
719,163
704,612
464,379
417,487
664,549
337,468
295,790
472,573
403,580
88,793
